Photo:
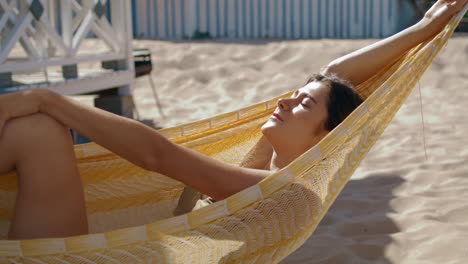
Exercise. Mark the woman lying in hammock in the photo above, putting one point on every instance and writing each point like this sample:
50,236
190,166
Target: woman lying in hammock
36,141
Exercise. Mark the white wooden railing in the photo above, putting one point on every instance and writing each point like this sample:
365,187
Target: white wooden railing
36,35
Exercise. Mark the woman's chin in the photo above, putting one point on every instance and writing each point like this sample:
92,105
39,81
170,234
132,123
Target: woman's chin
269,128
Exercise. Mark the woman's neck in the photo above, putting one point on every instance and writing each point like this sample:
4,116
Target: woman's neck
284,154
279,161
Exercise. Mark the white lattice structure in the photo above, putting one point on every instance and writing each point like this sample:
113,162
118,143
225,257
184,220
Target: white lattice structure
47,36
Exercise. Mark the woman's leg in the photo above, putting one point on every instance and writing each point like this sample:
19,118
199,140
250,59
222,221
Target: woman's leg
50,199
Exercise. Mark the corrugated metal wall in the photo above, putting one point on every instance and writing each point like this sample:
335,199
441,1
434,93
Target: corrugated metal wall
252,19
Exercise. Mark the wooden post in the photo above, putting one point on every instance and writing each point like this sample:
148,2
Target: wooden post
70,71
67,31
128,47
5,80
110,100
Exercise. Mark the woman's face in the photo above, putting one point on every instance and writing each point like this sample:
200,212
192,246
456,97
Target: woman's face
298,122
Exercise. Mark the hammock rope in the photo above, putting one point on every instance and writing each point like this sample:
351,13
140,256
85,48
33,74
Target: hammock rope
130,209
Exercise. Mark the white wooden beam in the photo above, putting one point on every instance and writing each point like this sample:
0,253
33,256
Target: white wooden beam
3,4
81,33
128,46
118,25
50,12
3,20
11,13
16,33
29,47
106,36
67,31
106,26
80,14
85,85
51,15
93,84
101,27
38,64
6,15
41,42
53,36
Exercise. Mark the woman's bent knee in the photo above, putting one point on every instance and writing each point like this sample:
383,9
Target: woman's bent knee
31,128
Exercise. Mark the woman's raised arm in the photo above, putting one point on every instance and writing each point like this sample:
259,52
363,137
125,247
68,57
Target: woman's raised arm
360,65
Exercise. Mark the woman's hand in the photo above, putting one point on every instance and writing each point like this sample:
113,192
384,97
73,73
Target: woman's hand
445,9
362,64
19,104
440,14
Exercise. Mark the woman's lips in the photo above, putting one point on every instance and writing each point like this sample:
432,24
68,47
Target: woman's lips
277,116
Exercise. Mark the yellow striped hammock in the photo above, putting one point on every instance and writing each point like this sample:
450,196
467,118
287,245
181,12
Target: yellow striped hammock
130,209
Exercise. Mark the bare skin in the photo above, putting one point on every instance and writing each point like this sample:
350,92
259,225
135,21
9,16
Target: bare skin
50,197
49,186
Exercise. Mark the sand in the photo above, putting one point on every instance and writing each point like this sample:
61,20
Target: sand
399,206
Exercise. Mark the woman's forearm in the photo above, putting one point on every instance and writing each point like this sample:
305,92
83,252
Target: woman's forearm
362,64
127,138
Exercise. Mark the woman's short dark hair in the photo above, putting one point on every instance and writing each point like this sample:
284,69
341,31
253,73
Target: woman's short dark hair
342,99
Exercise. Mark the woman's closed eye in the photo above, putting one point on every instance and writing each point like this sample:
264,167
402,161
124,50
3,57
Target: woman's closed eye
304,104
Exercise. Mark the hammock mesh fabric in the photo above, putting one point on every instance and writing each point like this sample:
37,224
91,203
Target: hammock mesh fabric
130,209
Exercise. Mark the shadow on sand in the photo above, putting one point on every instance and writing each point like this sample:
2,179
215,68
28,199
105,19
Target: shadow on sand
356,229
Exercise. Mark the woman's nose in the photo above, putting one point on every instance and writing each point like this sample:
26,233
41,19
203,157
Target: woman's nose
283,104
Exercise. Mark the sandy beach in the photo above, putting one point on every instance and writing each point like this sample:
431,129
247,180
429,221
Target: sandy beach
400,206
